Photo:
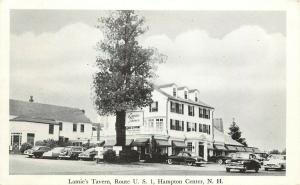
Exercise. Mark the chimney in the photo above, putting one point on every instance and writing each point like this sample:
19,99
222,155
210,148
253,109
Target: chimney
31,99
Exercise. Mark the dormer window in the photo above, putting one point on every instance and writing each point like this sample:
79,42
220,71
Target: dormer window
196,97
174,92
185,95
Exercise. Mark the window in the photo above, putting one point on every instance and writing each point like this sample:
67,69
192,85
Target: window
188,126
159,124
74,127
94,128
185,95
204,113
191,110
154,107
200,127
30,138
51,128
189,146
208,129
207,114
82,128
177,108
174,92
150,123
200,112
205,128
60,126
176,125
196,97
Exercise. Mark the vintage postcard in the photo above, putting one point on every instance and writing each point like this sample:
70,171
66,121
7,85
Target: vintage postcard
148,95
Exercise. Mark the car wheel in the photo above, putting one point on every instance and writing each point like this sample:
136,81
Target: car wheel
170,161
243,170
30,156
190,163
266,169
227,169
220,161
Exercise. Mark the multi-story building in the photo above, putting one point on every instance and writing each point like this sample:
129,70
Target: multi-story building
31,121
176,120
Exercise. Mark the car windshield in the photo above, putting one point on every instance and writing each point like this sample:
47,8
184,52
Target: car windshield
90,150
279,157
35,148
58,149
241,156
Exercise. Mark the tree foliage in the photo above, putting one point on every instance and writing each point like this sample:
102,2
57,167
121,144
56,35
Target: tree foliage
123,81
274,151
236,134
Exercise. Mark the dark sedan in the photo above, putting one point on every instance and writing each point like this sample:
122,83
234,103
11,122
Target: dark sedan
243,161
186,158
38,151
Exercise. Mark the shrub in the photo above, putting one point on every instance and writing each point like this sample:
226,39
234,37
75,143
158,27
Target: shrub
109,156
157,158
129,156
49,143
25,146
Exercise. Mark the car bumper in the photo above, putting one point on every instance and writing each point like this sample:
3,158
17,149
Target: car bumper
240,167
272,166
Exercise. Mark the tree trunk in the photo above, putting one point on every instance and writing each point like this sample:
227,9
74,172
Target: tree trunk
120,128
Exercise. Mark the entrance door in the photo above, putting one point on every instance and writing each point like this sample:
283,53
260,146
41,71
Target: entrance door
201,150
16,139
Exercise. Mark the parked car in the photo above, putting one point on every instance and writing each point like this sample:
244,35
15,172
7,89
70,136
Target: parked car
37,151
277,162
89,154
54,153
260,159
220,159
71,152
186,158
243,161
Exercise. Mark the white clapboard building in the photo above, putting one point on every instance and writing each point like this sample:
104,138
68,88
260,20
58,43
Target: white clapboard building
177,120
30,122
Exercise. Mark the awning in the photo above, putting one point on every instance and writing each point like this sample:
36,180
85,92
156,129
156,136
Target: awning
220,147
248,149
140,142
240,149
231,148
179,144
110,143
162,143
128,142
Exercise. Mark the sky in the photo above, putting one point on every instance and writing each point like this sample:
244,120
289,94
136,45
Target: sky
236,59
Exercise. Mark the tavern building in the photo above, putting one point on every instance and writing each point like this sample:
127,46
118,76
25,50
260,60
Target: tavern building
176,120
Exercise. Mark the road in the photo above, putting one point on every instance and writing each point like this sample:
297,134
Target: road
21,165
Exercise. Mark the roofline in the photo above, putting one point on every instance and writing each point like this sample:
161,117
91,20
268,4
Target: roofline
182,100
166,85
181,88
32,121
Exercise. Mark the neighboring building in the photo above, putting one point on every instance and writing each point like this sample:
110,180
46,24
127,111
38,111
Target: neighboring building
30,122
224,144
176,120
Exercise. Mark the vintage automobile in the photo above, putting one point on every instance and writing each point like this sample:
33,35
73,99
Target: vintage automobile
243,161
89,154
54,153
71,152
37,151
277,162
186,158
220,159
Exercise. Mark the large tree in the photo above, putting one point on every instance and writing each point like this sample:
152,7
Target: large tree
126,69
236,134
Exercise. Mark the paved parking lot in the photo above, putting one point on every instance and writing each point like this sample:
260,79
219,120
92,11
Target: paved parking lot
21,165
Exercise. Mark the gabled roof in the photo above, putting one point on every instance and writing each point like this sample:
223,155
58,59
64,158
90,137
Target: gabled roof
193,90
35,120
32,110
230,141
181,88
200,103
166,85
